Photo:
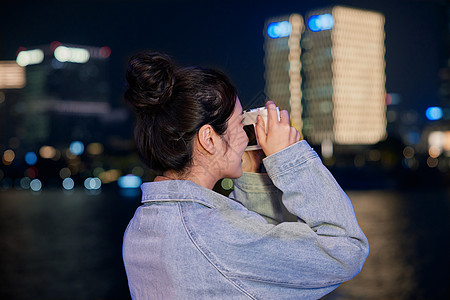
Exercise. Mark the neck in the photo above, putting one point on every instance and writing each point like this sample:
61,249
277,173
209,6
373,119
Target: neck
203,177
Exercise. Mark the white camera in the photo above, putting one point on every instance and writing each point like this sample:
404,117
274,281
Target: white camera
249,125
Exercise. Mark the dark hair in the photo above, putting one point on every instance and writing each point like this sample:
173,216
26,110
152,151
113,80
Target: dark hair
172,104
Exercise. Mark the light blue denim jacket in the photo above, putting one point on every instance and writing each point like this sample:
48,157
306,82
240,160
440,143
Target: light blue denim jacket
188,242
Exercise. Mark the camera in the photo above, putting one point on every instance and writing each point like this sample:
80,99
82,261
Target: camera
249,125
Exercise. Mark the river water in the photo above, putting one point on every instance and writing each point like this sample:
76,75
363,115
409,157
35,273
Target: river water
60,245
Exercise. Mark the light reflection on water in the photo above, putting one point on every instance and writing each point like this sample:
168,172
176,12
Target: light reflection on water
409,235
63,244
59,245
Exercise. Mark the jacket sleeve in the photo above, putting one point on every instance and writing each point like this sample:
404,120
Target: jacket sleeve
309,192
324,248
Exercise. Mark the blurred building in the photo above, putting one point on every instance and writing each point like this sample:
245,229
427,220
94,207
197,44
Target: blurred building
12,79
65,95
344,77
57,124
283,65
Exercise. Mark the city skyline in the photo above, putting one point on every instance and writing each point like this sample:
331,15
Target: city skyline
375,157
227,36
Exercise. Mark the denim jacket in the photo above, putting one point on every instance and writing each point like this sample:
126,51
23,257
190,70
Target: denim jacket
189,242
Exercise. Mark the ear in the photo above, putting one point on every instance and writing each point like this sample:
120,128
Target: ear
206,138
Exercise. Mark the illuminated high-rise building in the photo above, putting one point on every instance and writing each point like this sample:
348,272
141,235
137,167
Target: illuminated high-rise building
344,77
282,64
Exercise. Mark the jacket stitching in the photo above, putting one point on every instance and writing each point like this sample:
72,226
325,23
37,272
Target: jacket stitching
179,200
286,283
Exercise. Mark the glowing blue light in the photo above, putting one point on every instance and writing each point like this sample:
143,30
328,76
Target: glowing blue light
31,158
279,29
92,183
433,113
68,183
129,181
321,22
36,185
76,148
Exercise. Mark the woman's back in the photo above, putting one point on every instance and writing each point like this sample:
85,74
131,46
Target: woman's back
188,242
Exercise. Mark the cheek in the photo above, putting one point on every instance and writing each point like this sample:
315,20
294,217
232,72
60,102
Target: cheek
238,140
243,138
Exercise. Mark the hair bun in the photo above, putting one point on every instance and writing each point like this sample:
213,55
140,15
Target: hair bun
150,78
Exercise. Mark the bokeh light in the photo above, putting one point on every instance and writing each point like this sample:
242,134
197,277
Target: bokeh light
25,183
227,184
434,151
36,185
374,155
279,29
30,57
129,181
47,152
6,183
68,183
69,54
432,162
138,171
97,171
94,148
92,183
32,172
321,22
76,148
109,176
408,152
8,157
433,113
64,173
105,51
31,158
54,45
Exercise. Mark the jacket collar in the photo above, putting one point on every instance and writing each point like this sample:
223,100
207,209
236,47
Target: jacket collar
180,190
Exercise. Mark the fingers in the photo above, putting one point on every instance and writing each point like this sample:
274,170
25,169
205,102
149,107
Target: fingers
260,130
272,116
293,135
284,117
279,133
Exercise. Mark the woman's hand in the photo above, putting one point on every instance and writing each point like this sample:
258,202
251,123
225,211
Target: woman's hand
279,134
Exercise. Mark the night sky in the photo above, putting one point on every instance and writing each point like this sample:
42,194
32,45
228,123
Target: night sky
224,35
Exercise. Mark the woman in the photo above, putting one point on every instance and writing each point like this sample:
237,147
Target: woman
188,242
